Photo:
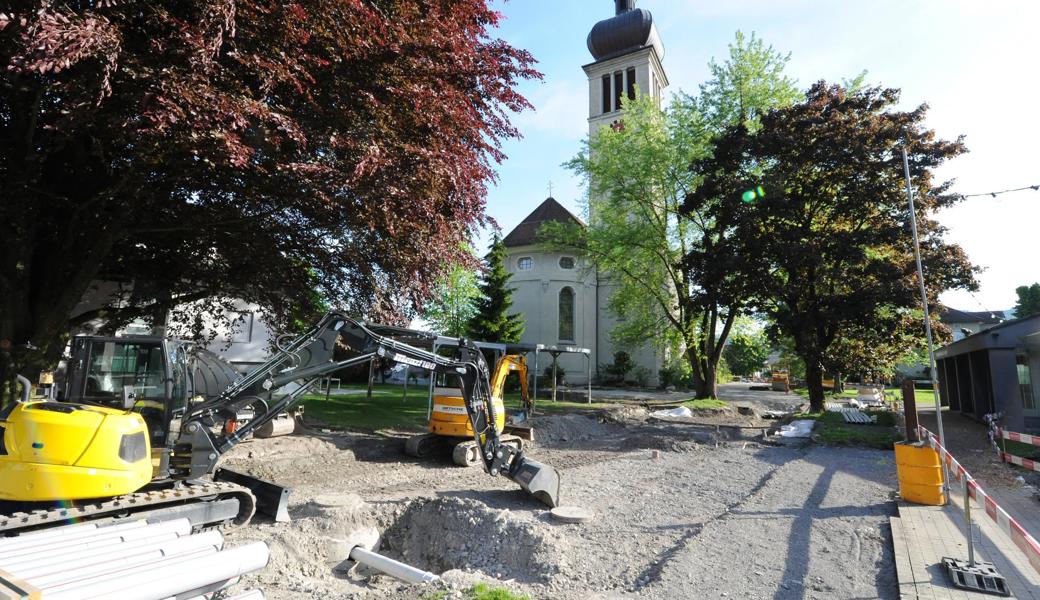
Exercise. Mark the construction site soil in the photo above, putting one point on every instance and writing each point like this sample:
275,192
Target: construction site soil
691,509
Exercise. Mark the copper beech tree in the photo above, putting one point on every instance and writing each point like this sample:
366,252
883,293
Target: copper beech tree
268,151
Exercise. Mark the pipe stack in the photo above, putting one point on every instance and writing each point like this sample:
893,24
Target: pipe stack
134,560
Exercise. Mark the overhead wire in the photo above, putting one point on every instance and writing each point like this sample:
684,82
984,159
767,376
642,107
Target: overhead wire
995,194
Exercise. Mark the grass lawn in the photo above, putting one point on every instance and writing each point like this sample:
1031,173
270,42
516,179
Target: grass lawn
832,428
1019,449
705,403
478,592
388,408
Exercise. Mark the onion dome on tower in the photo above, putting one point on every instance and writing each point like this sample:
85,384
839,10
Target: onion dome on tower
628,30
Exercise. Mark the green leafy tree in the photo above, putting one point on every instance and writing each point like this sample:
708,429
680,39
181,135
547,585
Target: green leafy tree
492,322
747,351
1028,300
175,153
454,302
831,228
748,83
674,270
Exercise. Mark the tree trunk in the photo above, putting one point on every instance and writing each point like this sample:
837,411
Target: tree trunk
814,382
696,377
710,379
839,383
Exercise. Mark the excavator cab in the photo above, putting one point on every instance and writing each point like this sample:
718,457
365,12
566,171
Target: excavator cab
129,373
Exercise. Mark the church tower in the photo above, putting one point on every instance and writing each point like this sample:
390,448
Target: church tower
563,299
628,53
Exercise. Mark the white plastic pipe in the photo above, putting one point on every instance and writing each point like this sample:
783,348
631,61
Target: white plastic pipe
119,572
391,567
73,532
42,534
167,580
74,557
101,540
129,567
45,575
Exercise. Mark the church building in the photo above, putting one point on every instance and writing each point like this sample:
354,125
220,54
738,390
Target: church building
564,301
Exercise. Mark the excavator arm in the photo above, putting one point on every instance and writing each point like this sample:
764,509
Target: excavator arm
308,357
506,365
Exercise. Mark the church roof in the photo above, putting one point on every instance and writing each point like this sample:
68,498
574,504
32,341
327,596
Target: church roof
526,233
629,30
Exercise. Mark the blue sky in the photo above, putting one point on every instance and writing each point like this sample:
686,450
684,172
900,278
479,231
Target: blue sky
976,63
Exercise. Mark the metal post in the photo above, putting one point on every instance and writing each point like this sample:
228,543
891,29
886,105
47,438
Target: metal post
927,318
967,520
588,364
429,398
404,396
371,367
555,358
534,396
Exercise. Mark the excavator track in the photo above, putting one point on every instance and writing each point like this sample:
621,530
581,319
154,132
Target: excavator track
158,504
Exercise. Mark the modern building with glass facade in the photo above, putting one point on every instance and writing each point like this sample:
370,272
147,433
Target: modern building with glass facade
995,371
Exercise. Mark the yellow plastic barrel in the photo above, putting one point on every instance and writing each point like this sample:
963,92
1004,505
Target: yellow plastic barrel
920,473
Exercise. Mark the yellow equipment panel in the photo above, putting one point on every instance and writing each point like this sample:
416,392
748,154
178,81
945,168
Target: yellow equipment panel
449,414
54,451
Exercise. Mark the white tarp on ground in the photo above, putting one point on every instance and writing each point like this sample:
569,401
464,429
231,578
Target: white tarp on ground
681,412
801,428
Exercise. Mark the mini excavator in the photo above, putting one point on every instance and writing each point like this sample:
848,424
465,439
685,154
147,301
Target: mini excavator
449,424
100,461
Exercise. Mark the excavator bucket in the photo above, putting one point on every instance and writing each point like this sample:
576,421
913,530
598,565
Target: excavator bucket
538,479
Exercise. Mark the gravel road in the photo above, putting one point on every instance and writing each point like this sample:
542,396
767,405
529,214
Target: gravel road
712,516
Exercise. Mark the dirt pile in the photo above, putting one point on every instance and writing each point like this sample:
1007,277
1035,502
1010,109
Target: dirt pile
306,552
459,533
557,430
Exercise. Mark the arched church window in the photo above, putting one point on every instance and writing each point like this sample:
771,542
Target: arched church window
567,262
525,263
567,315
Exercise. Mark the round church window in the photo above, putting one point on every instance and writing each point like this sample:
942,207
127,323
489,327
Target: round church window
566,262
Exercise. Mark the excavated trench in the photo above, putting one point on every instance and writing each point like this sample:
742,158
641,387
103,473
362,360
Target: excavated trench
442,534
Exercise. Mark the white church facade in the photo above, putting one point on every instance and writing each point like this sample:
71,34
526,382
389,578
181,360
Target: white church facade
564,301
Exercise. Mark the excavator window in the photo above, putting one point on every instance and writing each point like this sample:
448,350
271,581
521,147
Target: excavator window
113,365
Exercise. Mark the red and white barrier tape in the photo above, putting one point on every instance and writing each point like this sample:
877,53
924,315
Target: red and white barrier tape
1025,438
1018,460
1019,536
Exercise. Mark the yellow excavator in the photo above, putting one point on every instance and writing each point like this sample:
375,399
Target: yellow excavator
113,458
449,425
